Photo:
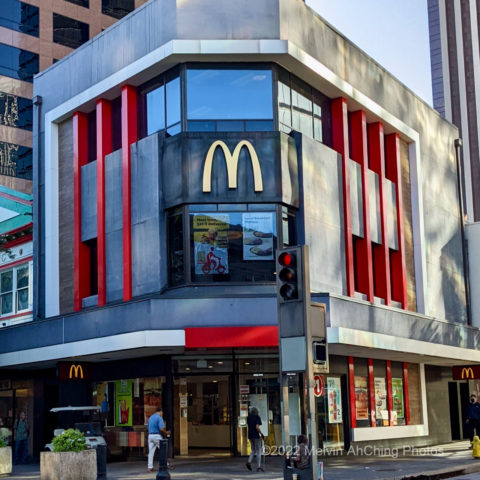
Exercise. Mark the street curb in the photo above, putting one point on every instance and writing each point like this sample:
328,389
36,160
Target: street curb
444,472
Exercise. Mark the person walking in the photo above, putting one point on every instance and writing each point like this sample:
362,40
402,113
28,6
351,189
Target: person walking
255,437
20,432
156,432
473,417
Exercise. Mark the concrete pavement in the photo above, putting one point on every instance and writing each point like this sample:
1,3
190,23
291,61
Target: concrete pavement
441,461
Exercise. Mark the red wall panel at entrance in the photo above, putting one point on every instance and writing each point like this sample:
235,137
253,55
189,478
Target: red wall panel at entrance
363,246
81,252
129,136
231,337
104,147
393,173
381,254
341,145
351,390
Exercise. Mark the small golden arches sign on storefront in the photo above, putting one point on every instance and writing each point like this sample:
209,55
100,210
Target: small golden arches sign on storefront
76,371
466,372
231,161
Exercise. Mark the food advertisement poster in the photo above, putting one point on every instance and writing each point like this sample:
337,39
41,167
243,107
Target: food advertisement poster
152,396
397,397
335,414
361,398
257,236
210,237
381,407
123,403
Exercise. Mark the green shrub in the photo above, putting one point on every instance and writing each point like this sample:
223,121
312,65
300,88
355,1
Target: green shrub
69,441
2,443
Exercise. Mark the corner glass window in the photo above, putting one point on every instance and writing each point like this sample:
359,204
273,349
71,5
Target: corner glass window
69,32
19,16
233,246
227,96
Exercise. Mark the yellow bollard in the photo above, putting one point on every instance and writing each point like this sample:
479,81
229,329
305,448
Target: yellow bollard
476,447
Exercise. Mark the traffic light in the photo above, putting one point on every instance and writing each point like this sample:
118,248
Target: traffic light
289,274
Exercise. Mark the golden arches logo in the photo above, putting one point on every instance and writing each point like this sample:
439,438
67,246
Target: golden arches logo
467,373
231,161
77,370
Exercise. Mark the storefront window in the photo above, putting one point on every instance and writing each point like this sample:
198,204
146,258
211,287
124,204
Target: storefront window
398,401
381,401
233,246
219,99
330,414
6,416
126,407
362,412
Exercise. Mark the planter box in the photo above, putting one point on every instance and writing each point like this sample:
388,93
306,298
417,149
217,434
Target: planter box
68,465
5,460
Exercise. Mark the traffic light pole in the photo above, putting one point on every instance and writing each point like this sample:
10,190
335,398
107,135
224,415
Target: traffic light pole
297,329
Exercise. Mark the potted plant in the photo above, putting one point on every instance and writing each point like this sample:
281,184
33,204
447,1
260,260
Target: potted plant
70,459
5,457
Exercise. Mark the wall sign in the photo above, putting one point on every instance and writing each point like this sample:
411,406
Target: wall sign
74,371
231,161
123,403
361,398
466,373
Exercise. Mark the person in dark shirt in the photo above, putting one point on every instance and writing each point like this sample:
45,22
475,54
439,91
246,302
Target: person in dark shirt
255,437
473,417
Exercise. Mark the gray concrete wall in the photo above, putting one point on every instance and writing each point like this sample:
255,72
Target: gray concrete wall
114,226
149,251
322,211
89,201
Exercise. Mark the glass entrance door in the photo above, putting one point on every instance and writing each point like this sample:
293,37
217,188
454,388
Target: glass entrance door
209,413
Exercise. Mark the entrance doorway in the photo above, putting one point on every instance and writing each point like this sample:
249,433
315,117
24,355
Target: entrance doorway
455,422
209,413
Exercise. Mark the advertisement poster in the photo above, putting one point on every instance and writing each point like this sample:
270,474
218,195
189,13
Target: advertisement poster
334,398
123,403
361,398
381,407
152,396
257,236
397,396
210,238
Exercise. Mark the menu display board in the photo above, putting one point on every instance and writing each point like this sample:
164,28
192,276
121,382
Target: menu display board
257,236
381,407
361,398
210,237
123,403
334,399
397,397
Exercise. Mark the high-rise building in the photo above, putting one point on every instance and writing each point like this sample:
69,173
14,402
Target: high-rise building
455,60
33,35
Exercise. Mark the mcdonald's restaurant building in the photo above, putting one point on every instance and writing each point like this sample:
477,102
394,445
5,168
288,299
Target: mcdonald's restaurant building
174,153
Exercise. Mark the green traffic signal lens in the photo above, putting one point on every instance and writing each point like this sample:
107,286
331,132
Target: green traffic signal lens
288,292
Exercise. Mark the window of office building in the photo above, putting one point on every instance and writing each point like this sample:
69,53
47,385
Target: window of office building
117,8
82,3
228,100
19,16
69,32
15,160
17,63
14,290
15,111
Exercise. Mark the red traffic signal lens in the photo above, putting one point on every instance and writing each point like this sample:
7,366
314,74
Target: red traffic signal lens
285,259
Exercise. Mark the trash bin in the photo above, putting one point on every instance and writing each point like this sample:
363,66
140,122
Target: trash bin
101,462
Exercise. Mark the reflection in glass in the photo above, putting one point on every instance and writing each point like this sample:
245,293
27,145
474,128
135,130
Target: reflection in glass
117,8
174,110
176,250
19,16
17,63
7,281
156,110
229,94
16,111
22,277
7,303
69,32
22,299
15,161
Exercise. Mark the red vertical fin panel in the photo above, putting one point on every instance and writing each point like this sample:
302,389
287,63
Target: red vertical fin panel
340,144
405,393
389,392
364,264
81,253
104,147
371,393
393,173
380,252
351,387
129,136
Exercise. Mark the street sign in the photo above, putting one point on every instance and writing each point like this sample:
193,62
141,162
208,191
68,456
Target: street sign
319,386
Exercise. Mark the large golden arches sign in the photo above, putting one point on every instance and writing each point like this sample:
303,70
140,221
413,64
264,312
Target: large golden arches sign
467,372
76,370
231,161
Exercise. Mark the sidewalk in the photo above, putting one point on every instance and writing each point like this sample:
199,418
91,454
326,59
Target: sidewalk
453,459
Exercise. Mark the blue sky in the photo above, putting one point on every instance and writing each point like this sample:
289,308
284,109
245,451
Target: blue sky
393,32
